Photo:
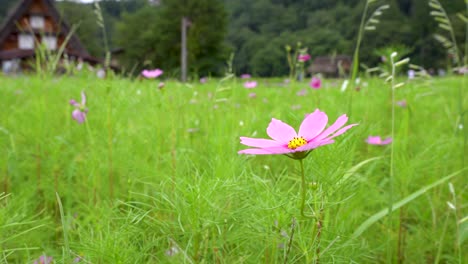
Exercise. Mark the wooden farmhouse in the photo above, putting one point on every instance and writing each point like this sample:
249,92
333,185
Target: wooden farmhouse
32,23
331,65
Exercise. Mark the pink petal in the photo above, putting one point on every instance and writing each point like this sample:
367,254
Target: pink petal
259,142
387,141
315,83
266,151
280,131
313,124
74,103
374,140
250,84
341,131
314,145
79,116
338,123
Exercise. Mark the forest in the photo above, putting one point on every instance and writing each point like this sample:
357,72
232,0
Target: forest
252,35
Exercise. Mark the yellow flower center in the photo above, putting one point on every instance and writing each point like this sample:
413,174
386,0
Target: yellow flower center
296,142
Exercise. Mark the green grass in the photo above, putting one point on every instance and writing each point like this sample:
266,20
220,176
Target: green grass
154,176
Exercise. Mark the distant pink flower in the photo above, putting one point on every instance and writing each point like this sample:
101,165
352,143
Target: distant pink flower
79,114
402,103
312,134
315,83
252,95
161,85
245,76
250,84
203,80
43,260
151,74
303,57
378,141
411,74
302,92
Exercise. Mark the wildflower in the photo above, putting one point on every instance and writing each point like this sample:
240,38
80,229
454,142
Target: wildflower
252,95
43,260
315,83
378,141
172,251
79,114
161,85
250,84
411,74
312,134
302,92
203,80
344,85
101,73
402,103
245,76
303,57
151,74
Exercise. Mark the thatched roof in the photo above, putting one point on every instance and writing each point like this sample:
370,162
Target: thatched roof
9,27
329,64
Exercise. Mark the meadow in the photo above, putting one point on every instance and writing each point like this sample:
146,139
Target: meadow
154,175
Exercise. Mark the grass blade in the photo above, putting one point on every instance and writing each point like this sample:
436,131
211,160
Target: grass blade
376,217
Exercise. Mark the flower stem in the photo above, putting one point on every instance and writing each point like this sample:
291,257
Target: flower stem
303,189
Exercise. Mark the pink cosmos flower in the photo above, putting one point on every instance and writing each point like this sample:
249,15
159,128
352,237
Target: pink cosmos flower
378,141
303,57
79,114
161,85
285,140
250,84
43,260
203,80
402,103
245,76
151,74
315,83
252,95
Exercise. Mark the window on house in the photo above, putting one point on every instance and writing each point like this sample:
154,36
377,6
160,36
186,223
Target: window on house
26,41
50,42
37,22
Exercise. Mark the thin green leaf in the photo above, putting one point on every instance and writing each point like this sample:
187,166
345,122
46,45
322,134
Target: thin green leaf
376,217
354,169
445,26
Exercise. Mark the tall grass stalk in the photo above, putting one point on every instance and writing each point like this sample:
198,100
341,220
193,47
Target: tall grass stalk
100,22
370,24
64,227
440,15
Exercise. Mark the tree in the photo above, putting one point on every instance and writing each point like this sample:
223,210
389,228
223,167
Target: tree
151,36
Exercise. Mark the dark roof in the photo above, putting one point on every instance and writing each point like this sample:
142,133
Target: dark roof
22,6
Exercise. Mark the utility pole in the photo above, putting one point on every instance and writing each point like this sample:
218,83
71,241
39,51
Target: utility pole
183,55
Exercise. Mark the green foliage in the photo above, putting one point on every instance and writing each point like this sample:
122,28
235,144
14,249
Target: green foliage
156,41
183,194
